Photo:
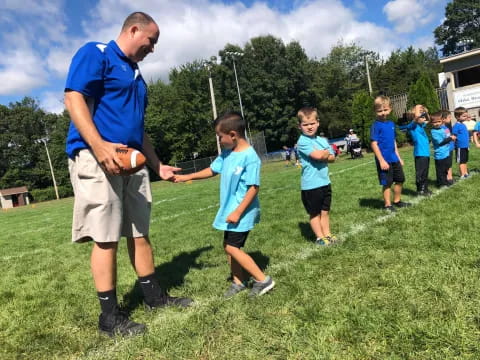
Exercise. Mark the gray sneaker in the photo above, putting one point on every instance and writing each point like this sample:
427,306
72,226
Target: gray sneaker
261,287
233,290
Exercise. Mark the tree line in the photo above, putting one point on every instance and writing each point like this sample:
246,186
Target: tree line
275,80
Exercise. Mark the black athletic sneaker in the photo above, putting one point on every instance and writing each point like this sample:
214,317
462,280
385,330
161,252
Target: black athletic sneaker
118,323
167,300
389,209
401,204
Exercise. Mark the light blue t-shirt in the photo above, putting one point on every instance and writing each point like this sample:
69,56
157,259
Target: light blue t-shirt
314,172
438,135
239,171
420,140
477,127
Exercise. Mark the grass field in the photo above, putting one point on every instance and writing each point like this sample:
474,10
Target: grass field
401,286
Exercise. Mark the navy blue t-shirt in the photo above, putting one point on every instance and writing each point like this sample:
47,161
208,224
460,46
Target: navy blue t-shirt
383,132
116,94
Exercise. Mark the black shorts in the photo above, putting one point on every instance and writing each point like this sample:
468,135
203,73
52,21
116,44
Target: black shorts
287,157
393,174
317,200
462,155
235,239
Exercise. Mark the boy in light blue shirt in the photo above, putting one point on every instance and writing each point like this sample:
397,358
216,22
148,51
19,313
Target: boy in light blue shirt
315,153
421,147
239,166
441,140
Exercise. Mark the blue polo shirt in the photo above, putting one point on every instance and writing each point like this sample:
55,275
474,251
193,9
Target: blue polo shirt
239,171
463,137
438,135
314,172
421,146
383,132
116,94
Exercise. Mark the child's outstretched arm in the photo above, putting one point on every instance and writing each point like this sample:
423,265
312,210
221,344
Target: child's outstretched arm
202,174
235,215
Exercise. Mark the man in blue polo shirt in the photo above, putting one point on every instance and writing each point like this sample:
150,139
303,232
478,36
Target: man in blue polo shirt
106,97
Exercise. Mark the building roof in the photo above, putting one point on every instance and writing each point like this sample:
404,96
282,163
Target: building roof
460,56
14,191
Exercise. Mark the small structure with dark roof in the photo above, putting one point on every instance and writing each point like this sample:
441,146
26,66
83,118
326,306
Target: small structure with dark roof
14,197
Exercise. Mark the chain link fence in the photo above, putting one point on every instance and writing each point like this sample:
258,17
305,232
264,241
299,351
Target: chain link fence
257,140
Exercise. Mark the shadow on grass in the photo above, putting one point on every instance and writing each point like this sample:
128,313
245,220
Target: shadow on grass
261,260
169,275
371,203
306,231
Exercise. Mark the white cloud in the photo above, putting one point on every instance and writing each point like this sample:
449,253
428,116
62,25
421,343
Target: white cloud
189,30
409,15
51,101
21,70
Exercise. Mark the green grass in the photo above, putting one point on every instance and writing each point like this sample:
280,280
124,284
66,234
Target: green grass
402,286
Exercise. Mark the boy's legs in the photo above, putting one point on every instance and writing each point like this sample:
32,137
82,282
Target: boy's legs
387,194
241,260
397,192
317,226
422,164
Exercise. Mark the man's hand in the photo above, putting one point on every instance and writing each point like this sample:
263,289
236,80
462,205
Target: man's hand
106,154
166,172
233,218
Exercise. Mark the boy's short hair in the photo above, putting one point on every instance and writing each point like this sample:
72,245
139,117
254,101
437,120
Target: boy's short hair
445,113
381,100
231,121
411,112
459,111
306,112
436,115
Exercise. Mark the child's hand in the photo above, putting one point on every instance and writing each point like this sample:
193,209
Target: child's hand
384,165
453,137
181,178
233,218
166,172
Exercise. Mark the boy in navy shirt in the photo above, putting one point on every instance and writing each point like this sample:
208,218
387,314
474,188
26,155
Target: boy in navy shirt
388,160
441,139
421,147
239,166
463,140
315,154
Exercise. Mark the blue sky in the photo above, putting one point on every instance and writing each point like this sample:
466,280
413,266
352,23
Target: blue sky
39,37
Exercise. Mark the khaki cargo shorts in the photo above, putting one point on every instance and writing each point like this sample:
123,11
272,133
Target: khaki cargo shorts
107,207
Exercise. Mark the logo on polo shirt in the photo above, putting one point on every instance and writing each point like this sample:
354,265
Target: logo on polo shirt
238,170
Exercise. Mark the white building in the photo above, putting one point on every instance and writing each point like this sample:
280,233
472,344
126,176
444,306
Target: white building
461,78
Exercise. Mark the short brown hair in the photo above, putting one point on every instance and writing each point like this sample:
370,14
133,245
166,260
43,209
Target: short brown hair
381,100
137,18
306,112
459,111
437,114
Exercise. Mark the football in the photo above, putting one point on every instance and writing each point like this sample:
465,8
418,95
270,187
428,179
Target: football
131,160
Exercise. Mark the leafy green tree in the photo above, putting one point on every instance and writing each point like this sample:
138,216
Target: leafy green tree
461,24
403,68
362,114
423,92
